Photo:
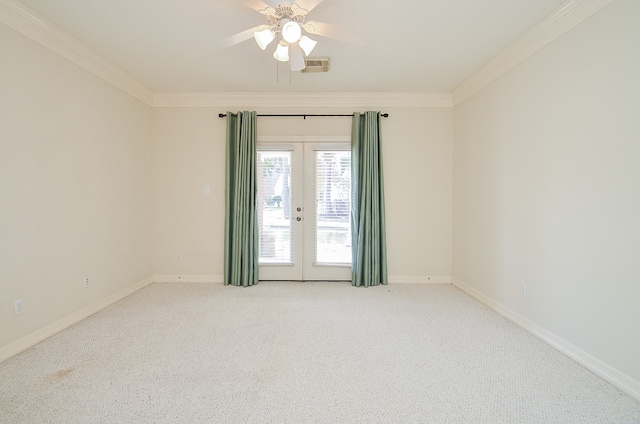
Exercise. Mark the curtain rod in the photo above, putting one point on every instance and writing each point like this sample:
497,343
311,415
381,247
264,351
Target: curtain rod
304,116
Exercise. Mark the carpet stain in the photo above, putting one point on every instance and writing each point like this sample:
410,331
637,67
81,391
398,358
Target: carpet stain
62,374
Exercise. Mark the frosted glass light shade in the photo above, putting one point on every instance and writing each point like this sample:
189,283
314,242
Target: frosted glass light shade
307,44
264,38
291,32
282,52
296,62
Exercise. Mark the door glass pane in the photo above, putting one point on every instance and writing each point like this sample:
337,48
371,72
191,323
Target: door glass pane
274,207
333,207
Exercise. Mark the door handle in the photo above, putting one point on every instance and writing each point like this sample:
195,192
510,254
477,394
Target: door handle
298,219
299,209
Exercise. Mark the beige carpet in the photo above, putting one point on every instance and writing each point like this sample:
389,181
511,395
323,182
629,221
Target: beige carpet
302,353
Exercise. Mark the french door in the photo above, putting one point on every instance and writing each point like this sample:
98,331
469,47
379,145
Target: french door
304,211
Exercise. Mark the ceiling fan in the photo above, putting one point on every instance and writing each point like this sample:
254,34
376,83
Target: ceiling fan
287,24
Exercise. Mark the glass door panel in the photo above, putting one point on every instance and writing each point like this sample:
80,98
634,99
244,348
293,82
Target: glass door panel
328,202
304,212
280,233
333,207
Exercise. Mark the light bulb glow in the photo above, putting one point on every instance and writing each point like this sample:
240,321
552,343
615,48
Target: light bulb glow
291,32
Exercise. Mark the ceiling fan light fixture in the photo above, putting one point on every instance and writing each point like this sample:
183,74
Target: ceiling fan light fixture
282,52
291,32
296,61
264,38
307,44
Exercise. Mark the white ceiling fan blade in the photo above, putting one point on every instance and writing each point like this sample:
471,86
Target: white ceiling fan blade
259,6
296,59
351,36
308,5
238,38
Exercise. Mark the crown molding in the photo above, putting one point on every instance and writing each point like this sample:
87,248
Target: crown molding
563,19
298,100
27,23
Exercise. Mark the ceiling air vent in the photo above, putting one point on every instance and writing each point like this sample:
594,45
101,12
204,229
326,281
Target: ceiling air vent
316,64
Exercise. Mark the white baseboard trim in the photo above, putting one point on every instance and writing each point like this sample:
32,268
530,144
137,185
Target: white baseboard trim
419,279
37,336
393,279
601,369
188,278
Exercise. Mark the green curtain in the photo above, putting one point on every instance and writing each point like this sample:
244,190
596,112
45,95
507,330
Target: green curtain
241,219
369,262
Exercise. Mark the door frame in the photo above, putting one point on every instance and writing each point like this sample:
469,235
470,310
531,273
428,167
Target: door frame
305,269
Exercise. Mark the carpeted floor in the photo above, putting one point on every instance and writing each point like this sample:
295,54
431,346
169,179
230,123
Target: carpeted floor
302,353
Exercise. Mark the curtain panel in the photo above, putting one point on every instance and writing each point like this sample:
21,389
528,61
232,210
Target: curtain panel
241,219
369,263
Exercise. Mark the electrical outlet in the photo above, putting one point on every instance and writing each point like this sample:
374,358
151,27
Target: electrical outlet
523,290
207,190
18,307
85,282
179,257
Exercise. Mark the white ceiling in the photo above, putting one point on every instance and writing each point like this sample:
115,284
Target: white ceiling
416,45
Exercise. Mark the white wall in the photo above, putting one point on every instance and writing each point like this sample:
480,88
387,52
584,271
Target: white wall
189,153
547,188
75,188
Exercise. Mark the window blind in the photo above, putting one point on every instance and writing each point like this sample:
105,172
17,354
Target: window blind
332,231
274,207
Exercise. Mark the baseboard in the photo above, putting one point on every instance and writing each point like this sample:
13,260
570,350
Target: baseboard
393,279
36,337
419,279
205,278
601,369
